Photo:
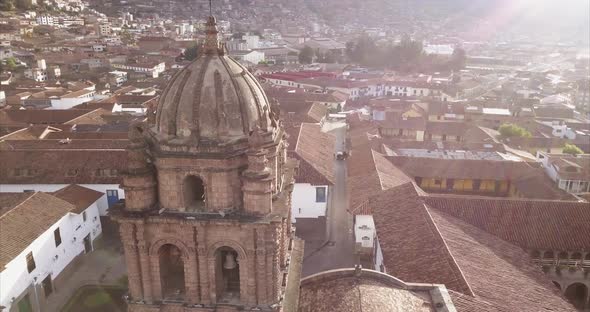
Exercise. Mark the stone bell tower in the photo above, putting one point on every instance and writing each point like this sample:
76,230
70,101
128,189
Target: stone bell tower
206,220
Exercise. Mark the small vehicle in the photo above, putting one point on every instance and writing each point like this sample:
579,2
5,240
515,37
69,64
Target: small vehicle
341,155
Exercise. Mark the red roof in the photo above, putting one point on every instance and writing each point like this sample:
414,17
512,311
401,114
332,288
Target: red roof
531,224
294,76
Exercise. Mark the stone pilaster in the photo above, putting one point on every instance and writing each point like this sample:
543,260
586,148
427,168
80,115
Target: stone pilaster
192,271
203,266
144,260
127,231
261,284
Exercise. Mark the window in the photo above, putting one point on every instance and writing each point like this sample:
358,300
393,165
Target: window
320,194
418,180
450,184
30,262
57,237
476,184
72,173
106,172
84,216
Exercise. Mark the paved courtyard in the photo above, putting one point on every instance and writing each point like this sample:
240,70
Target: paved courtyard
103,266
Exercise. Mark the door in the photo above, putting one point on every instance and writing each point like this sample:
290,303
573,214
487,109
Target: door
87,244
47,286
112,197
24,305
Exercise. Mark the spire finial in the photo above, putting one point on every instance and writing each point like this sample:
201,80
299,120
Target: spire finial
212,44
210,8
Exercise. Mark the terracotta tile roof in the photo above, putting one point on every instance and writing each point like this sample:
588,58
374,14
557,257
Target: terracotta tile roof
413,249
531,224
485,273
87,135
25,218
315,149
451,128
498,272
307,173
367,173
353,294
63,166
60,145
530,180
40,116
564,164
396,121
79,196
317,111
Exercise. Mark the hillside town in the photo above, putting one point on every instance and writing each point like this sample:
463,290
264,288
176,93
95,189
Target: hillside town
296,156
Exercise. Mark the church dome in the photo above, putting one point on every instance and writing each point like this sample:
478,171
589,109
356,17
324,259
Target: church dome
214,100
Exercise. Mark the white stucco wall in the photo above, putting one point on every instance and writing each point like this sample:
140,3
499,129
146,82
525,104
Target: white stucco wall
49,259
379,257
303,204
102,203
68,103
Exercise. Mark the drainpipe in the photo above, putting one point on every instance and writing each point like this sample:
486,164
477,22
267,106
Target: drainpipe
36,296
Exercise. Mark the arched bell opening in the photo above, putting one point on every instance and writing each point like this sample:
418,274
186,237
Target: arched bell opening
577,294
194,193
227,275
171,272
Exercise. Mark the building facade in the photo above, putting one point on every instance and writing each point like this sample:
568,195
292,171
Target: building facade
63,229
206,221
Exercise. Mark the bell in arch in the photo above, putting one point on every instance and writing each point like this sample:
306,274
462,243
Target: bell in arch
230,261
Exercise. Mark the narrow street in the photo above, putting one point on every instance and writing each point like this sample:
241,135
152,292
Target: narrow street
338,251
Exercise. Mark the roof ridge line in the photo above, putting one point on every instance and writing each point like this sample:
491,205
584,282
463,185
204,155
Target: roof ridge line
298,136
453,262
22,202
83,115
505,199
376,170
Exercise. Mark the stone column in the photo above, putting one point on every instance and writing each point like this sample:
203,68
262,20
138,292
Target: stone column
244,276
127,231
203,266
203,275
261,271
270,274
144,262
191,271
252,276
212,279
154,261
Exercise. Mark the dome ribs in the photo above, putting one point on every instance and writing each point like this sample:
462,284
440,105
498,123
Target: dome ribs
222,127
163,100
243,112
172,122
197,98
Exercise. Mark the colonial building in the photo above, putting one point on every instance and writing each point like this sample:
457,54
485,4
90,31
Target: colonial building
206,223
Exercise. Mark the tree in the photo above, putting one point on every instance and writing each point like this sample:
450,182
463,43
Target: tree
508,130
127,37
458,59
24,4
191,52
572,149
238,35
6,5
11,63
306,55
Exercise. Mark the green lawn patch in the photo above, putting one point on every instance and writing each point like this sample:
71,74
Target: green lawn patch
97,298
